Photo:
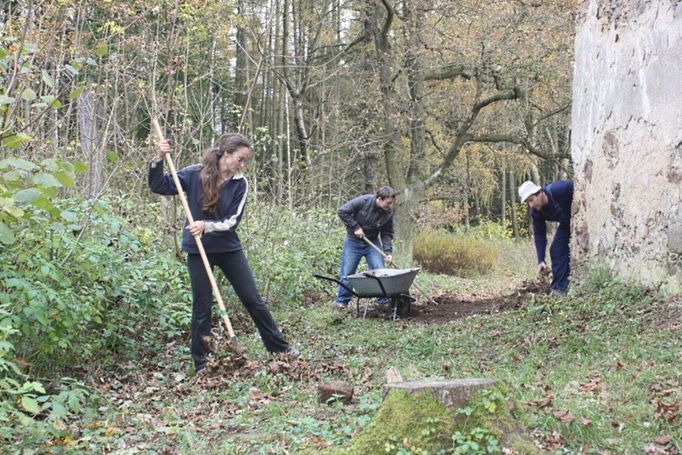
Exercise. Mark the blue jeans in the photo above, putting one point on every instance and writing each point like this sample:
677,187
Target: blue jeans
560,254
355,249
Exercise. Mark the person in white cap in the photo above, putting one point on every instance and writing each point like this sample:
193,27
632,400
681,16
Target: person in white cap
551,203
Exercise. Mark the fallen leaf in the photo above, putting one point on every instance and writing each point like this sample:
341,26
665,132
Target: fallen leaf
564,416
662,440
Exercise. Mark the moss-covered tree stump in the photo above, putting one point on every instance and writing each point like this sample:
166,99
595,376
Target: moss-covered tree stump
443,417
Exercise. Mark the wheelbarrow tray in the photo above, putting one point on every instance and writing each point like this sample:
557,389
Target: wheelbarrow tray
394,282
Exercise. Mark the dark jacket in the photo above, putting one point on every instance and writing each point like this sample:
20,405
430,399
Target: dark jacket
558,209
364,212
220,235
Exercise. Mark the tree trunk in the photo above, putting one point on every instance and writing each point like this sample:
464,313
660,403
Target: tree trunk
240,71
503,197
89,139
512,191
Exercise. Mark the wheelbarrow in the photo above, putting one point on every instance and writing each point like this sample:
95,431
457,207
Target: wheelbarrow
392,284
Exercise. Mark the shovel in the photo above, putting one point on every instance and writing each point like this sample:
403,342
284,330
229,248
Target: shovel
200,245
370,243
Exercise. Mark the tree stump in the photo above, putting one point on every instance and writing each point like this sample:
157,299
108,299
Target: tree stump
452,394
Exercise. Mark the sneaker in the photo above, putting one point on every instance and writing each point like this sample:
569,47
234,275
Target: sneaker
341,305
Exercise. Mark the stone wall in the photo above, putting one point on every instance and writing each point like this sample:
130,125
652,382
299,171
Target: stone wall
627,138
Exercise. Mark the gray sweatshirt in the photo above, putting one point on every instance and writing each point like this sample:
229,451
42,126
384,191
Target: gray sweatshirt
364,212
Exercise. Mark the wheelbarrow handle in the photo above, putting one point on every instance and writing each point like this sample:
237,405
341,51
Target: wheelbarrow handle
335,280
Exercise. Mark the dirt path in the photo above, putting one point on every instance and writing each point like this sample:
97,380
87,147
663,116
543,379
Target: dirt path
451,306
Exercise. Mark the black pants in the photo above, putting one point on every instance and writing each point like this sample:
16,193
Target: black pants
236,268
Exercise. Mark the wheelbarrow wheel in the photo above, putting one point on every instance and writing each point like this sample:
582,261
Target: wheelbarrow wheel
404,305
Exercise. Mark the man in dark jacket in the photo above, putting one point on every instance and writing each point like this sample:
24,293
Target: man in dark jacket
369,216
551,203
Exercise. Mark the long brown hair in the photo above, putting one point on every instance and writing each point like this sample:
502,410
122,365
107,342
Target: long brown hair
210,170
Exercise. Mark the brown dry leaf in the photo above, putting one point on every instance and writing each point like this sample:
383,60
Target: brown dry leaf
585,422
666,411
662,440
594,384
667,392
544,402
277,366
367,374
548,442
618,365
564,416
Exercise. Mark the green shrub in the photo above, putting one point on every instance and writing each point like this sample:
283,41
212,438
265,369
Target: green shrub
285,248
74,293
71,293
452,254
485,230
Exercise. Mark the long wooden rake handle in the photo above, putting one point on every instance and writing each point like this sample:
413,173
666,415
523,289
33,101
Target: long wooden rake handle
370,243
197,238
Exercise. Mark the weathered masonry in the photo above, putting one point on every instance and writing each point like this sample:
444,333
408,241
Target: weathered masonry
627,138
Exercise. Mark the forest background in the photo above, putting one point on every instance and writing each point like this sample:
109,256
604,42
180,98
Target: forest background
451,103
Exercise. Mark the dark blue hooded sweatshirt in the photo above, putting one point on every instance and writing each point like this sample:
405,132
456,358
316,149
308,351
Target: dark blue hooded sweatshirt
560,195
220,235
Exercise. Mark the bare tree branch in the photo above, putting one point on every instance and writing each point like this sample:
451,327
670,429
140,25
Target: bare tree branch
450,72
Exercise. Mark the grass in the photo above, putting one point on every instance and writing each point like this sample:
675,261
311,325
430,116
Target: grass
597,371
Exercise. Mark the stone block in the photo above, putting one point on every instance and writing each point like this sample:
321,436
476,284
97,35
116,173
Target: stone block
336,390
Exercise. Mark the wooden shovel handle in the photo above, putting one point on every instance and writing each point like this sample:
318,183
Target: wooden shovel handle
370,243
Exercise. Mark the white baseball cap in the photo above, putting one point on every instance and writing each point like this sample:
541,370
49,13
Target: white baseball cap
527,189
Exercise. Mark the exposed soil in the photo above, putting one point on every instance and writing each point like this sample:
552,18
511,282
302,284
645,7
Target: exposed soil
452,306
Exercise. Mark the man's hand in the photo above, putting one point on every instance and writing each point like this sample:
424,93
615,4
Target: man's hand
196,228
163,149
543,269
389,259
359,233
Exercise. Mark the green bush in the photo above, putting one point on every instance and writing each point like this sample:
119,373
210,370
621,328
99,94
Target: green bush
455,254
485,230
72,293
285,248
